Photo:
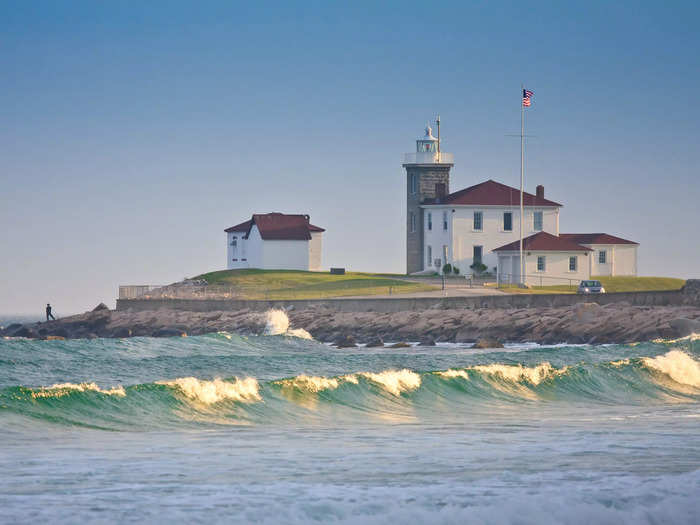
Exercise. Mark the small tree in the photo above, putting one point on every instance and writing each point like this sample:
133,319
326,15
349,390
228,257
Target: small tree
455,270
478,267
447,269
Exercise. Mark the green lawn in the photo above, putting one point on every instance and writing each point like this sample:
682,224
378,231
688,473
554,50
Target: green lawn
294,284
611,285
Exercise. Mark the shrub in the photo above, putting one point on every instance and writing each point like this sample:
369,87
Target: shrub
455,270
478,268
447,269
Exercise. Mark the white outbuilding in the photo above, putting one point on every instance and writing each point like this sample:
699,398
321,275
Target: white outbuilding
274,241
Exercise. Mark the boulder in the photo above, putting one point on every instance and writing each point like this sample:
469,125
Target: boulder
169,332
487,343
346,341
683,327
101,306
587,312
121,332
427,341
55,338
401,344
25,331
464,335
10,328
375,343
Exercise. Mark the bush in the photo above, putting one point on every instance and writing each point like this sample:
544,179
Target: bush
478,268
447,269
455,270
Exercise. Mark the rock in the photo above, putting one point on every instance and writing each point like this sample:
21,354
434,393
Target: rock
683,327
169,332
375,343
101,306
400,345
10,328
346,341
427,341
587,312
25,331
91,336
464,336
487,343
121,332
55,338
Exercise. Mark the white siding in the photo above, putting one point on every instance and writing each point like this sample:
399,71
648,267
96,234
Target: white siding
315,248
556,267
461,237
621,259
236,256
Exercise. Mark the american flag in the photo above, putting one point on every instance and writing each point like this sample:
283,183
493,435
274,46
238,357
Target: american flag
526,97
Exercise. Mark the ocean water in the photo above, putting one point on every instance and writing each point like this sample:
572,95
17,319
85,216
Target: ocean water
284,429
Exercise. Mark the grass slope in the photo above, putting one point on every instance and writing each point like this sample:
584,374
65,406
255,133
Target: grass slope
612,285
294,284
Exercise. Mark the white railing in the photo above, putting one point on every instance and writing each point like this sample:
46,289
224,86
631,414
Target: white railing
428,157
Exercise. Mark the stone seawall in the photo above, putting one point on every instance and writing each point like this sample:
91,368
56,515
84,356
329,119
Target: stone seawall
688,296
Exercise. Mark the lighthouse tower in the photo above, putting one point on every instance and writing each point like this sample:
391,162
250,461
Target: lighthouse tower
427,179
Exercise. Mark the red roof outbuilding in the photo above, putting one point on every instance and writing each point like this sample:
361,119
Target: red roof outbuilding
278,227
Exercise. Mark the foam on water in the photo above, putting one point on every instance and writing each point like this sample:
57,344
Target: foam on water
678,365
64,389
514,373
394,381
209,392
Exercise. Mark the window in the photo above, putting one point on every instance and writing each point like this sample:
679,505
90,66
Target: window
444,220
478,221
234,242
412,222
602,256
537,221
478,251
573,264
430,221
541,263
507,221
414,183
430,256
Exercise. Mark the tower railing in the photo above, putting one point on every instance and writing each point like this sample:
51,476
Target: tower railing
429,157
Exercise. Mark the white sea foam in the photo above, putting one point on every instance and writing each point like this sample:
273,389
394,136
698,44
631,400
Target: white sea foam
678,365
63,389
208,392
394,381
277,323
514,373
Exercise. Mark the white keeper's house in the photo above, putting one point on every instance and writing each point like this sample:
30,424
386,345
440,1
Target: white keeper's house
481,224
274,241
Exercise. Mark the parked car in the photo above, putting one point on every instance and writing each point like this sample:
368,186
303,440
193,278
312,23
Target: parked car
590,287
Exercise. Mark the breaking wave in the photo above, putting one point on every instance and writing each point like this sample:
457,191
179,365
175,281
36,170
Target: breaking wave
671,377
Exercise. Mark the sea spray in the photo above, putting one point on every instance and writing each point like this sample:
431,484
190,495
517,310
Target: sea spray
277,323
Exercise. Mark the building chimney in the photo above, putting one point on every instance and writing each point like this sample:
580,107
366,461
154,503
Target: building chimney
539,191
440,191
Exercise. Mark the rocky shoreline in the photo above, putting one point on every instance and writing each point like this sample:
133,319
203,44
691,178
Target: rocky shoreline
581,323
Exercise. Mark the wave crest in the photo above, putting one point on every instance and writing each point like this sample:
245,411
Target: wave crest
394,381
676,364
209,392
514,373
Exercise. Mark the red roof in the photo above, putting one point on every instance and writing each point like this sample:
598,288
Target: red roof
492,193
595,238
278,227
544,242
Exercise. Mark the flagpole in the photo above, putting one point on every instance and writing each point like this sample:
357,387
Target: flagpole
522,180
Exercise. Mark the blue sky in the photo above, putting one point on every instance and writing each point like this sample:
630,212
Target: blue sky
132,135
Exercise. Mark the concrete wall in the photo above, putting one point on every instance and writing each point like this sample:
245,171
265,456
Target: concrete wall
396,304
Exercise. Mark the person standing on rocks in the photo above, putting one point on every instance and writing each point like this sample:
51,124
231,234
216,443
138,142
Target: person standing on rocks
48,312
